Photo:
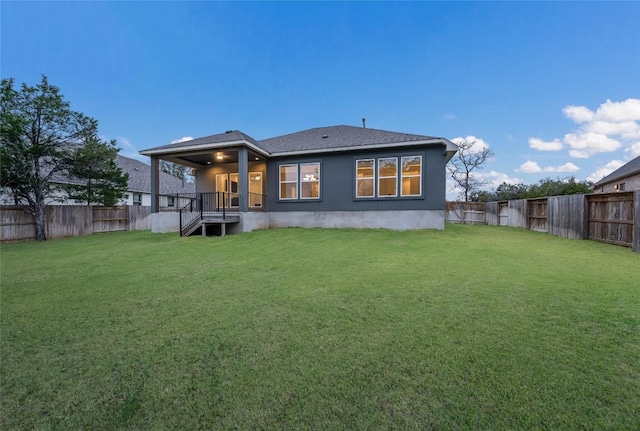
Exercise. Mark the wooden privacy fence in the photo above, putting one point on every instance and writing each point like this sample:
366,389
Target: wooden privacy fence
613,218
466,212
72,220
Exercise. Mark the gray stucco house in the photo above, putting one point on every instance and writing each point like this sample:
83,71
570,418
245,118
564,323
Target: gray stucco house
337,176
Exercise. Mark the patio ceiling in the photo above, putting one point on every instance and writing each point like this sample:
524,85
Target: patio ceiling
210,158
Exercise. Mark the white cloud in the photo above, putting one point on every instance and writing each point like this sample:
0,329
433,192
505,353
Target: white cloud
579,114
586,144
540,145
567,167
449,117
183,139
625,129
628,110
602,172
478,144
578,154
530,167
633,150
611,126
495,178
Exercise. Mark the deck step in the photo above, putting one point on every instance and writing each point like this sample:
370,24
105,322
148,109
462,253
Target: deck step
218,218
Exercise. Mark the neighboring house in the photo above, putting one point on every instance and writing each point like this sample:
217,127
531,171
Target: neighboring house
138,187
338,176
624,179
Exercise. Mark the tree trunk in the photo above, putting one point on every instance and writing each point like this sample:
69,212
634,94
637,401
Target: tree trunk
39,219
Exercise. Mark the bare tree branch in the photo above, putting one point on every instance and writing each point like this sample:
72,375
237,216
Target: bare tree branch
462,167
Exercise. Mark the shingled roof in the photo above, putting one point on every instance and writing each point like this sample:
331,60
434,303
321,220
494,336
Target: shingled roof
140,178
228,137
337,137
320,139
631,168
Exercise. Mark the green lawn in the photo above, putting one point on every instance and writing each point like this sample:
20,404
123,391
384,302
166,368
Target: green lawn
475,327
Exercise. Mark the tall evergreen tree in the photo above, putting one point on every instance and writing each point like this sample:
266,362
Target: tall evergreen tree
95,175
38,144
36,129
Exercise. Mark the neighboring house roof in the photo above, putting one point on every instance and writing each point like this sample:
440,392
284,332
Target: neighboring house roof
140,178
320,139
631,168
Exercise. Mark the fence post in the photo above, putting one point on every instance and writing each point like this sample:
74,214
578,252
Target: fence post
636,222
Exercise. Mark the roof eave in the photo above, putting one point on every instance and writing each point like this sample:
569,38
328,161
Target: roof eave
212,146
450,147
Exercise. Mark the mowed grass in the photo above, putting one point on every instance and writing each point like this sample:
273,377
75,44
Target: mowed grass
475,327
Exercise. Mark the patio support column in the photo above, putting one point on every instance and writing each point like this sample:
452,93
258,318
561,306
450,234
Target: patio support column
243,178
155,183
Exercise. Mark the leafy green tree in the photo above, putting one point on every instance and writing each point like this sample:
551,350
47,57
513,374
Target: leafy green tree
544,187
37,127
505,191
94,174
176,170
558,187
39,136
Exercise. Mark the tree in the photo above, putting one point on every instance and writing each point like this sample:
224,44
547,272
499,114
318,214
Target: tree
558,187
544,187
94,174
37,131
506,191
178,171
468,159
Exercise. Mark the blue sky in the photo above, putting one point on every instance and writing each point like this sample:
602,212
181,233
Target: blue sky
553,88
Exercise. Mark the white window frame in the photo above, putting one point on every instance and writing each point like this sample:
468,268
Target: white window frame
302,180
171,201
372,178
403,176
280,182
380,177
137,202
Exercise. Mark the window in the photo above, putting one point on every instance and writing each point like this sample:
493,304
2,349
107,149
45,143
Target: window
289,182
388,176
309,180
411,176
620,187
255,189
365,178
300,181
137,199
171,201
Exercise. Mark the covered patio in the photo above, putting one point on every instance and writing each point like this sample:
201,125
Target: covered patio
229,171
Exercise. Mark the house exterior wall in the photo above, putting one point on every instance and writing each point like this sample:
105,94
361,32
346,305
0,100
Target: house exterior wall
206,177
630,183
338,183
396,220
